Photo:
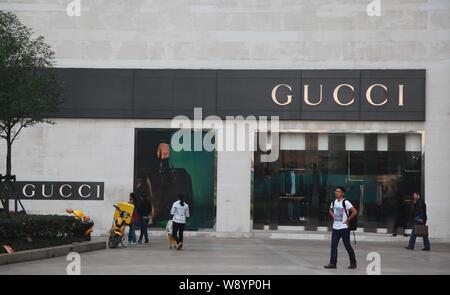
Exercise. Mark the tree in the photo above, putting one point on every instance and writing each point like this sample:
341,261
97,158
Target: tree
29,88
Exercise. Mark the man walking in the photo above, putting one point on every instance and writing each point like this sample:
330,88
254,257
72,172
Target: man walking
339,212
420,218
143,210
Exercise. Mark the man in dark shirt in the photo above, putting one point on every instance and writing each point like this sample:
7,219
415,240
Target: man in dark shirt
143,210
420,217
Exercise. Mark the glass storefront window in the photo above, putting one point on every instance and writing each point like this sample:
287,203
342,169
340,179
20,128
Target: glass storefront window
297,189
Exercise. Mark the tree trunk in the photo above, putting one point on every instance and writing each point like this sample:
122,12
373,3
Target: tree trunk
8,168
8,153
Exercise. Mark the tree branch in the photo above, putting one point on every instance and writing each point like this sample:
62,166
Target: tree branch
2,129
17,133
13,122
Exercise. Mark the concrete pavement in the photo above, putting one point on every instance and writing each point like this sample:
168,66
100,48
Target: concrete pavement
209,255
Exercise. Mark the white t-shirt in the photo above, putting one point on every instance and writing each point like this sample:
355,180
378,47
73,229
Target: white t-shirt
339,215
179,212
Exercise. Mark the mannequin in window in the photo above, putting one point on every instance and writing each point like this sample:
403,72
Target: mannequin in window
291,180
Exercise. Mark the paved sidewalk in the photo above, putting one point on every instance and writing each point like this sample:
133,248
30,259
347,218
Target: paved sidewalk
209,255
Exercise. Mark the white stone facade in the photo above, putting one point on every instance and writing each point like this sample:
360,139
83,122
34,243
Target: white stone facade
235,34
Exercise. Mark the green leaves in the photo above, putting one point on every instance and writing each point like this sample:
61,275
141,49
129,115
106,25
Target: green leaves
18,48
30,90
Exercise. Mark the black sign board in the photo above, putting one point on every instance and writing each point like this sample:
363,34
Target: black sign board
359,95
60,190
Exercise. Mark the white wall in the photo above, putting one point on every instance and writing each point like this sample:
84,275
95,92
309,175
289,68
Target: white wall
261,34
233,191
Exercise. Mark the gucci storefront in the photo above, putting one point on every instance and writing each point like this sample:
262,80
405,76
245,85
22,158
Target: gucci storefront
363,129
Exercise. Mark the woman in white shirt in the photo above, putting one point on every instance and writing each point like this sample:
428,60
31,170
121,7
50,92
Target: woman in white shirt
180,212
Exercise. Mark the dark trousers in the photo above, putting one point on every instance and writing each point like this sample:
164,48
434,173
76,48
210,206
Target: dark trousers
143,222
177,232
335,237
412,241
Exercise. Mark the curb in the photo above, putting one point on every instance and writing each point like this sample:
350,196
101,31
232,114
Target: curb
295,235
36,254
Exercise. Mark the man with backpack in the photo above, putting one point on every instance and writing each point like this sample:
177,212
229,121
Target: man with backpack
343,222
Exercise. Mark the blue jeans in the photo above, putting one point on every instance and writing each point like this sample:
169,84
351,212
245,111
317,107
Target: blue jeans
412,241
335,237
132,234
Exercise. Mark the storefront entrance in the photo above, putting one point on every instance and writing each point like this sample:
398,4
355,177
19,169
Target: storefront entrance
379,171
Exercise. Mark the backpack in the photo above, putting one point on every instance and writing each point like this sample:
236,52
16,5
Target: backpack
353,224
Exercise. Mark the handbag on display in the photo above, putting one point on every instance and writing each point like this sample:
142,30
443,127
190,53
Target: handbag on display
165,184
